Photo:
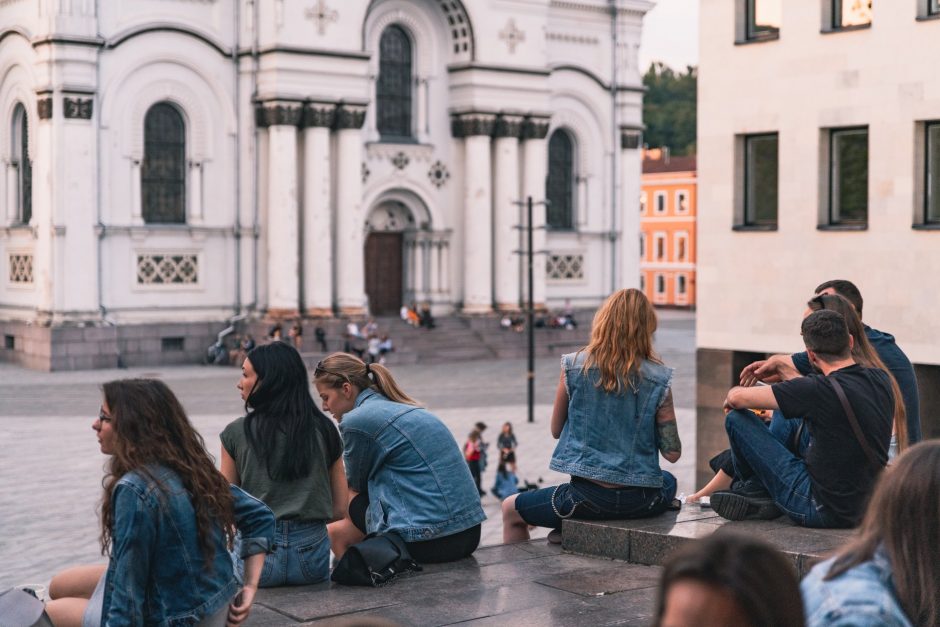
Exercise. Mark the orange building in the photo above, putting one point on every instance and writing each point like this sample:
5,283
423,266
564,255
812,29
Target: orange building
667,228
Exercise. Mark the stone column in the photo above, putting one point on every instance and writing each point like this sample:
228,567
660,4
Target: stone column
435,277
42,148
317,250
476,129
283,216
506,212
350,223
535,165
631,138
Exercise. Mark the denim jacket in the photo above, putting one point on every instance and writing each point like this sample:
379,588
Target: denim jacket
156,574
410,465
611,437
863,596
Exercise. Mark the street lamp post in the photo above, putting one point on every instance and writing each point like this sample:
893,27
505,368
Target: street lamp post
529,252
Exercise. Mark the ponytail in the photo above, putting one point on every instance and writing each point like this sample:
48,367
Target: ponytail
340,368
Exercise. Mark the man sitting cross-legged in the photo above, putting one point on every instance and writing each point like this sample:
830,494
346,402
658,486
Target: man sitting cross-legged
830,487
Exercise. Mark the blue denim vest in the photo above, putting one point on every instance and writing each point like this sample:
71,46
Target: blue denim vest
409,463
156,574
862,596
611,437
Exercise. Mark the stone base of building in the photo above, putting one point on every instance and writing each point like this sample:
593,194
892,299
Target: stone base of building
717,371
88,346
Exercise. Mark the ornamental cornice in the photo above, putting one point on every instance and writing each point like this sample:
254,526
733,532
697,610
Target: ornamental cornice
509,126
414,152
319,115
349,116
44,107
472,124
535,127
278,114
77,108
631,138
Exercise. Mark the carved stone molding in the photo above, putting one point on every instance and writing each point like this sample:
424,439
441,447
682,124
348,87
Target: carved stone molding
535,127
319,114
509,126
77,108
349,116
438,174
631,138
278,114
471,124
401,160
44,108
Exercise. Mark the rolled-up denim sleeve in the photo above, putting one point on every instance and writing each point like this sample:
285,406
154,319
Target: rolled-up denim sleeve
361,455
255,522
133,538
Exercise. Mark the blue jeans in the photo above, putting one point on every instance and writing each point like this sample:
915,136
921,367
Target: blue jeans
300,555
586,500
757,452
785,430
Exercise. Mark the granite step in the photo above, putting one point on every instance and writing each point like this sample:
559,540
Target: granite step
648,541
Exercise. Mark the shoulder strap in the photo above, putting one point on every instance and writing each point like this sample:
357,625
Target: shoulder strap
853,422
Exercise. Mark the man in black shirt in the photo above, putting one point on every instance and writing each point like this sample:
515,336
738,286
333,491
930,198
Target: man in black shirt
830,487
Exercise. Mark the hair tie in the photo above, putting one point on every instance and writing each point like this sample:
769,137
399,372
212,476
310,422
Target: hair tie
368,371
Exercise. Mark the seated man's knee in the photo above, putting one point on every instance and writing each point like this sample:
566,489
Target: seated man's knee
509,507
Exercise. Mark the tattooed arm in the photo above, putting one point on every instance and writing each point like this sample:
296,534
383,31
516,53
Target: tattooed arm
667,431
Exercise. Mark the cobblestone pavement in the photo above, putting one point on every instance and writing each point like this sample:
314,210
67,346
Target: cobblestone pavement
51,469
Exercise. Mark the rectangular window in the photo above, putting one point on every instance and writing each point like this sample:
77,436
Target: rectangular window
932,181
848,176
643,282
660,200
761,171
643,202
660,246
681,245
682,201
660,285
680,285
642,245
762,19
933,8
849,13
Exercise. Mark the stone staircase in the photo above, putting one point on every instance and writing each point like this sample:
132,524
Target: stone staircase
454,338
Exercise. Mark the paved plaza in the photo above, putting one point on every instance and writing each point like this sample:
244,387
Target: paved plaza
51,469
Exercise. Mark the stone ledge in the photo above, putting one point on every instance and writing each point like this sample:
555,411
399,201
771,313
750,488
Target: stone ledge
648,541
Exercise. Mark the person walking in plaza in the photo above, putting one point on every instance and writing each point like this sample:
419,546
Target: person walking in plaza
405,471
168,519
613,416
506,443
286,452
889,572
472,452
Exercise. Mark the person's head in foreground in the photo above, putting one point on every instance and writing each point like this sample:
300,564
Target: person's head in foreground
902,527
729,579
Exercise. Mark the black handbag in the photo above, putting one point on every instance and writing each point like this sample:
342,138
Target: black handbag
375,561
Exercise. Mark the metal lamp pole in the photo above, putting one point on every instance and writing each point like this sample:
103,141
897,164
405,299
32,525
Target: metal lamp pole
529,252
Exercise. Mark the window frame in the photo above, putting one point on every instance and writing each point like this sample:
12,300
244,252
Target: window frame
643,201
22,161
929,155
679,194
571,222
833,134
835,21
933,8
146,212
681,237
392,137
751,32
657,197
659,241
682,280
748,218
659,278
642,245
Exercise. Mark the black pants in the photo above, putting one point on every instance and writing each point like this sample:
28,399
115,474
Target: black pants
444,549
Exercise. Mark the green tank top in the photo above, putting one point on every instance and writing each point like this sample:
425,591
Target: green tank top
305,499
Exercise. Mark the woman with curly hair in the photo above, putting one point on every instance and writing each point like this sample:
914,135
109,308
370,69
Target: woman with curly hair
286,452
168,521
612,418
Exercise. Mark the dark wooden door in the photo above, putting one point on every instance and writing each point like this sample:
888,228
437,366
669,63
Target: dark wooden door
383,272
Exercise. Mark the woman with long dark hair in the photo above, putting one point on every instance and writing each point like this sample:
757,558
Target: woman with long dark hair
405,471
168,520
613,416
286,452
889,573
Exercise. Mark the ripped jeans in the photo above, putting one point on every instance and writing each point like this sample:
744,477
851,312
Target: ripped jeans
586,500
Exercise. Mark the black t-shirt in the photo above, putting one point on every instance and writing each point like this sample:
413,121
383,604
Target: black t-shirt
842,477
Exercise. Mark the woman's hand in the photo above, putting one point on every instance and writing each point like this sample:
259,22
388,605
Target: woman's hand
241,606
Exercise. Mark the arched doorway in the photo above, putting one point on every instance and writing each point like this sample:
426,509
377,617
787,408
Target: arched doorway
385,236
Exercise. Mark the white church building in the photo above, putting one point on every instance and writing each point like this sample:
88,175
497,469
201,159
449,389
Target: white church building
166,164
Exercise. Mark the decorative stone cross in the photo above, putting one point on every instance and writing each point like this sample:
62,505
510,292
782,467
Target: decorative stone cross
512,35
322,15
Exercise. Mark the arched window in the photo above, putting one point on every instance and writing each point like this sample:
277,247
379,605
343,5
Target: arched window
559,187
393,91
23,164
163,172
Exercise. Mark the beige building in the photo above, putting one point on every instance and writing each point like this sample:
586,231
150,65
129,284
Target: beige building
819,158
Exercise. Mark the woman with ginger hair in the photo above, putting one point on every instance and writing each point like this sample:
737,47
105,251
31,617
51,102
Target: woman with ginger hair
613,416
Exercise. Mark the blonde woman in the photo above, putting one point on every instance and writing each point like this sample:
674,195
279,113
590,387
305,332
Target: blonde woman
612,418
405,471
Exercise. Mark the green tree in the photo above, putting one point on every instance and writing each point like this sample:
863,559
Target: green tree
669,108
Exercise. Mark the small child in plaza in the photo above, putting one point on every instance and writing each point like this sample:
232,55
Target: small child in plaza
506,442
472,453
506,484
